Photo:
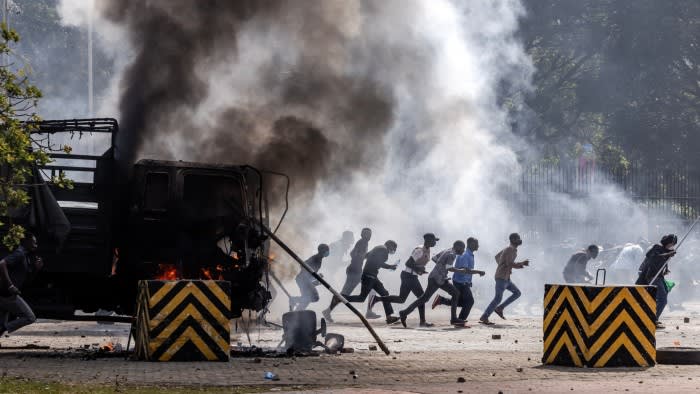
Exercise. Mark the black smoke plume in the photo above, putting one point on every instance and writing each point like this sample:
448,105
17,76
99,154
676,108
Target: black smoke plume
311,118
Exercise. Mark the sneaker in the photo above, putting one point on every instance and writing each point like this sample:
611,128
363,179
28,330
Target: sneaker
499,312
457,322
403,317
486,322
327,315
391,319
660,326
437,301
372,315
426,324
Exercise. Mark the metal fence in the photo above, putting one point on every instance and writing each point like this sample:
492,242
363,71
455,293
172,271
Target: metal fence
556,199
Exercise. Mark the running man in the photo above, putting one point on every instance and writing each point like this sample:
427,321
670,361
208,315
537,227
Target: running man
376,259
307,283
415,266
506,262
438,280
462,280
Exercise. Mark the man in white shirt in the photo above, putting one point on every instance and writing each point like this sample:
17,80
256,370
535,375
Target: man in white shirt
624,269
444,263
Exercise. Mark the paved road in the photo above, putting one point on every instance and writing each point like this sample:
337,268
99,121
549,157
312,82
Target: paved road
422,360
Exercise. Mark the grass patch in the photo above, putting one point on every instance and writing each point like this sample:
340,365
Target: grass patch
22,386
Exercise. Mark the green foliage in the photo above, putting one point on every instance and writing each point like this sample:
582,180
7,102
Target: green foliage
621,75
19,152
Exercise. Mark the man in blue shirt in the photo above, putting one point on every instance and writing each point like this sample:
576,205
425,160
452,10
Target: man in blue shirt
462,280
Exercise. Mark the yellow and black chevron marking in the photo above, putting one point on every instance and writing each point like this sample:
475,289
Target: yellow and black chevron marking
184,320
599,326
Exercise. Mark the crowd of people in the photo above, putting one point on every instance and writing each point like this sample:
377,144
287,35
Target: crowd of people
453,271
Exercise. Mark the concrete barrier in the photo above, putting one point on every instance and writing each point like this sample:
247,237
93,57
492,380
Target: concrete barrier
183,320
599,326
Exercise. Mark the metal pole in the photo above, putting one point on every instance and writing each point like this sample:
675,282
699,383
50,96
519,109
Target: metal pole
90,81
677,246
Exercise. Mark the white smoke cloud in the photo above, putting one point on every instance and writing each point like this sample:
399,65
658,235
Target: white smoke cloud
448,155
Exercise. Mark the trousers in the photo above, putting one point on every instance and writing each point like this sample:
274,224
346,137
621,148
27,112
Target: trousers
17,307
409,284
501,286
434,286
466,299
308,293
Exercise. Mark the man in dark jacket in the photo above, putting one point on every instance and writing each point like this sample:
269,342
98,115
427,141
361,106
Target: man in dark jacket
575,270
376,259
15,269
653,269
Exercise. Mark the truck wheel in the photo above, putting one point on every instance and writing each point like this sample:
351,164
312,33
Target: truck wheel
678,355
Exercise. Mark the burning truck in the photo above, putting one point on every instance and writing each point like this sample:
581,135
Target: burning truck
156,220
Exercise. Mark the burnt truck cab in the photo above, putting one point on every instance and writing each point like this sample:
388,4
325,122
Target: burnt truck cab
193,220
165,220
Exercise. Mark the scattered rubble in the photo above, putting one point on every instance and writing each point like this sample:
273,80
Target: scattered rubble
257,352
30,346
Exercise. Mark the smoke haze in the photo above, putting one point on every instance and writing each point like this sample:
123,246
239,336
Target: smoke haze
386,114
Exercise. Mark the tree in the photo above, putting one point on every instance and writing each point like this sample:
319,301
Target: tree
622,75
20,154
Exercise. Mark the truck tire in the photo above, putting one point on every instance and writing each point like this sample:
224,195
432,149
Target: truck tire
678,355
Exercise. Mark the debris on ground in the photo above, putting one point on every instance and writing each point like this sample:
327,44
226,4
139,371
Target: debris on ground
496,336
258,352
686,320
271,376
461,380
347,350
372,347
519,369
30,346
